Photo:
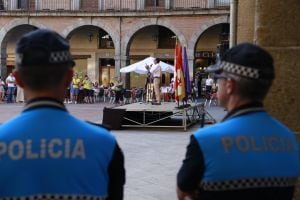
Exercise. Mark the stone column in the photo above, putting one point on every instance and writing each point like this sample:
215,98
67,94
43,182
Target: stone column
277,28
3,69
92,67
191,66
117,64
190,55
122,61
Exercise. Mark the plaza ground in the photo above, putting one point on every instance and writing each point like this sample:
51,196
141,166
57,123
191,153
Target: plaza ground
152,156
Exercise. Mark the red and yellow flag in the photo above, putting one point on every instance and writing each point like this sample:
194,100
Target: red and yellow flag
179,85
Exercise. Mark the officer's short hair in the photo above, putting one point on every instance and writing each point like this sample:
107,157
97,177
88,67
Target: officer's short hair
250,66
42,58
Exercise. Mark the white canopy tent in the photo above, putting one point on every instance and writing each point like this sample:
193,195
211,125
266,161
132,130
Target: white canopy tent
139,67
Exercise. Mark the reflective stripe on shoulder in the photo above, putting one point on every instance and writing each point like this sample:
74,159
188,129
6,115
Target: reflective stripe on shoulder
248,183
55,197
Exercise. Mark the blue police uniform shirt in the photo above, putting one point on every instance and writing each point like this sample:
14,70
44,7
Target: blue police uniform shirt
46,151
245,169
252,150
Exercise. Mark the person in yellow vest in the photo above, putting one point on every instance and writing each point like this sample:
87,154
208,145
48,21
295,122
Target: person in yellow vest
75,87
87,89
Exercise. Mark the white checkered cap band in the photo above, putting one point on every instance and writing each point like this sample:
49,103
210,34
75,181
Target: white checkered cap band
248,183
55,57
240,70
60,57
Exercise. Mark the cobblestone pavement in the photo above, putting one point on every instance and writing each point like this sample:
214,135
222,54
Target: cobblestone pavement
152,156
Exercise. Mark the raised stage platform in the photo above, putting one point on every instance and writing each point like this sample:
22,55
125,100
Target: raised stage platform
165,115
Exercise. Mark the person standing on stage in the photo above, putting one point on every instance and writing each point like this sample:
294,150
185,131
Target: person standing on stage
155,70
45,152
250,154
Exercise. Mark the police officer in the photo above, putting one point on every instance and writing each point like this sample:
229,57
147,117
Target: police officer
45,152
249,155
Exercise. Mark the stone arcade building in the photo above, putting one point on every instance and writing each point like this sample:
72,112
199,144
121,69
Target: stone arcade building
107,35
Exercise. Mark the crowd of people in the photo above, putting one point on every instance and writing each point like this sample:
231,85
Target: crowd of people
83,90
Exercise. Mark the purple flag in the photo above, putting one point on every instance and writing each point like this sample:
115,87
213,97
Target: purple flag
186,73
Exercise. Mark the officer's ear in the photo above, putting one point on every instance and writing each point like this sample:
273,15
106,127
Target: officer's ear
230,86
18,78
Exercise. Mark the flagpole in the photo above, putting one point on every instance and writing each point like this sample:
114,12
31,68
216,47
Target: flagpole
175,78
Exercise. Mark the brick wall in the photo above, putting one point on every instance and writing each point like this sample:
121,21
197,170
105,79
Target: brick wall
275,25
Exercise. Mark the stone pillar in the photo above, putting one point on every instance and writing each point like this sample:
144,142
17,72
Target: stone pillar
233,22
140,4
191,66
3,69
122,62
276,27
92,67
191,57
117,64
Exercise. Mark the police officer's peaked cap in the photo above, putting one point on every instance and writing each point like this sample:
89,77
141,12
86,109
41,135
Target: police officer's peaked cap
245,60
43,47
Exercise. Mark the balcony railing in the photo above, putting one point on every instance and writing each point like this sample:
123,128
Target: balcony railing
110,5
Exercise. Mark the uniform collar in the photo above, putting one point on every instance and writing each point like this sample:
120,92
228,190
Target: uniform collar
244,109
44,102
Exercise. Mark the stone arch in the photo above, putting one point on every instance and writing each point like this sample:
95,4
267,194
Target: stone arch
193,41
143,24
104,26
3,33
18,22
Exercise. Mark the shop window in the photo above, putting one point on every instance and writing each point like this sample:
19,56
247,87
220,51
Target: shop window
22,4
106,71
1,5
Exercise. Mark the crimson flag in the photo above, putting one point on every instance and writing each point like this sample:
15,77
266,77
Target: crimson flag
179,85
